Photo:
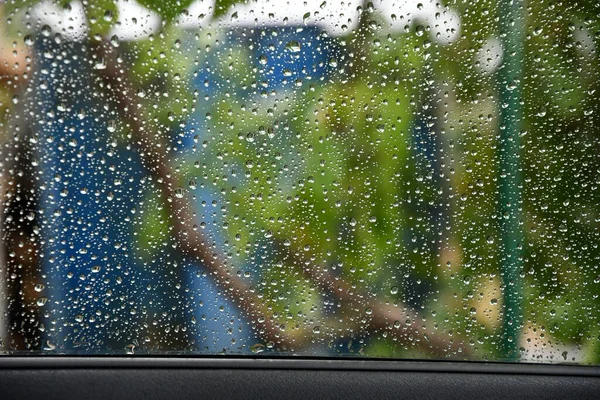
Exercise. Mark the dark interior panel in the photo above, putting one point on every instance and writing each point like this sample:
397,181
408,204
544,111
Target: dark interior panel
122,382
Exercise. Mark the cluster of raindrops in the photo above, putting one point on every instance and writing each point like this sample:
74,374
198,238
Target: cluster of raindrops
377,178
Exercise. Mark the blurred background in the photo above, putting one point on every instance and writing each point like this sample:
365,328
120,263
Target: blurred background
394,178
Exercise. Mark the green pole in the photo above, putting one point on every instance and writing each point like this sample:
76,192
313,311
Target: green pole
511,20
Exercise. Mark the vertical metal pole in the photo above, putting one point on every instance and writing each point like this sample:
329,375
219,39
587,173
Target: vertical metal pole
510,76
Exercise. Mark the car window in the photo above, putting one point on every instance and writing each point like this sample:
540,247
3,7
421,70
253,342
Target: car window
379,179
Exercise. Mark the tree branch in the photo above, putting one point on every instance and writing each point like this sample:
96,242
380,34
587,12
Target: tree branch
191,242
402,322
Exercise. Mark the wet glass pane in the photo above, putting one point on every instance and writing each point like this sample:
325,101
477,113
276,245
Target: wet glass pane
393,178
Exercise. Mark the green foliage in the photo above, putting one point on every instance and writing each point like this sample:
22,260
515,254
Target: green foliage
170,9
167,9
101,16
222,6
153,234
334,174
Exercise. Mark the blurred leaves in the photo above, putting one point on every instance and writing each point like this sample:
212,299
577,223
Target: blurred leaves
101,16
167,9
385,178
154,230
222,6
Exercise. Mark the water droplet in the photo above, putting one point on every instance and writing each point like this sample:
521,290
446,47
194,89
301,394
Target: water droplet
257,348
46,30
130,349
305,18
293,46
